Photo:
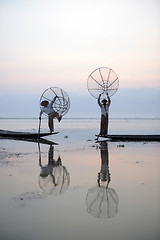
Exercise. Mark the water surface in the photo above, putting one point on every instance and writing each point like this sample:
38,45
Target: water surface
80,189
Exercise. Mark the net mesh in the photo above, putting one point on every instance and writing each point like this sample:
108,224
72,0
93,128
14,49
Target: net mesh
62,102
102,81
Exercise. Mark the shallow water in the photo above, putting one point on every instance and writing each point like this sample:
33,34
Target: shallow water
90,190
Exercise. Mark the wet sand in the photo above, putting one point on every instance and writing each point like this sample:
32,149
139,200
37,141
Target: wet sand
79,189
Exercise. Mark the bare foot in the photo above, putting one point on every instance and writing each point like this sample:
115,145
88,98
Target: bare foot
60,117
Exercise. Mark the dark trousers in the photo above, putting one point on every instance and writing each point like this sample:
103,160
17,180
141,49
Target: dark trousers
51,116
104,125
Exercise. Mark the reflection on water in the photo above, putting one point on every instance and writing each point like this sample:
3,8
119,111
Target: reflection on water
102,201
54,178
89,199
80,212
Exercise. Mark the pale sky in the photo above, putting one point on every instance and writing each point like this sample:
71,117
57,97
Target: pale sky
58,43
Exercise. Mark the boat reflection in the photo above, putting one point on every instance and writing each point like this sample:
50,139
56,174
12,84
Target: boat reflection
102,201
54,178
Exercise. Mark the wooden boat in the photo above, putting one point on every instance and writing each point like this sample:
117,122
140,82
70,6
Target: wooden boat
129,137
23,135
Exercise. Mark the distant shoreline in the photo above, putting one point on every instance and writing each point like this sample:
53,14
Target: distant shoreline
89,118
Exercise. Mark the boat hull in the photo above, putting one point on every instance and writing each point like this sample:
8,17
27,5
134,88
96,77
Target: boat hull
28,135
130,137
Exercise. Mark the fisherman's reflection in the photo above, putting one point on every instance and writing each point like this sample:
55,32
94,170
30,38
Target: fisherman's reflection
54,178
102,201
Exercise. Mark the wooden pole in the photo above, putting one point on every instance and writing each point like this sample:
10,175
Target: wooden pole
39,126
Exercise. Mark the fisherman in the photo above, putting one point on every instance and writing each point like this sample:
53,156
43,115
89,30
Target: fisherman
104,105
48,109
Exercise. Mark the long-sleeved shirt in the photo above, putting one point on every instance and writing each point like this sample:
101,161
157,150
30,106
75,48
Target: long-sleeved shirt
104,108
48,109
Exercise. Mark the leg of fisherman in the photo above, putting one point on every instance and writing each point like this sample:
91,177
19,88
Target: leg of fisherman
102,129
101,125
55,115
51,123
107,124
104,125
51,116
